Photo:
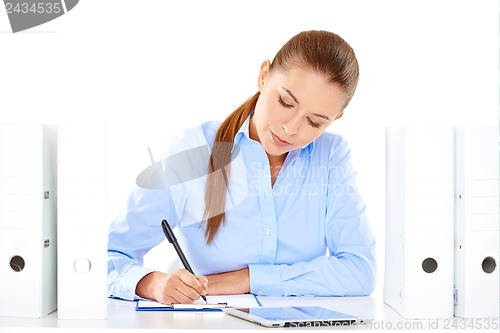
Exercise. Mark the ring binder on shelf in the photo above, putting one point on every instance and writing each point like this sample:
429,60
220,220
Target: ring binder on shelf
28,219
82,225
419,221
476,222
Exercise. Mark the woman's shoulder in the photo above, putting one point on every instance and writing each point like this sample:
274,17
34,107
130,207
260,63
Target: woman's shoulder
331,149
330,142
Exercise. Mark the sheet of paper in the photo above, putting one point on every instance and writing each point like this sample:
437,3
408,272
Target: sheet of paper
234,301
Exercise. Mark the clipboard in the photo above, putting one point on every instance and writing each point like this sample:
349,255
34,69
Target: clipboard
215,303
154,306
196,306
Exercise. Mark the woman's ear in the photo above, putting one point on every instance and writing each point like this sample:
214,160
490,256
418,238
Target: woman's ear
264,71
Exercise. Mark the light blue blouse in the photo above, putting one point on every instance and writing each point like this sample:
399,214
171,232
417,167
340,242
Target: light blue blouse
306,235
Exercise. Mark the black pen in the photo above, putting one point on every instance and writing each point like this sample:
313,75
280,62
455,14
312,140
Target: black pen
171,238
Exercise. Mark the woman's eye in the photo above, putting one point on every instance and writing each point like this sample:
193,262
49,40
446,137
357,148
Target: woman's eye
283,103
313,124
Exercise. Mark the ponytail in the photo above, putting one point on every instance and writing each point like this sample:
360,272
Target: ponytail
219,167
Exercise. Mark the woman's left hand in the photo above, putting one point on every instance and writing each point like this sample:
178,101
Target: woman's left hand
229,283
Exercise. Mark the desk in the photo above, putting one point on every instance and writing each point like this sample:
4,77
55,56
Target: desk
122,315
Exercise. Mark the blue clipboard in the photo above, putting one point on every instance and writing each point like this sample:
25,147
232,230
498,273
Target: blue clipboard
154,306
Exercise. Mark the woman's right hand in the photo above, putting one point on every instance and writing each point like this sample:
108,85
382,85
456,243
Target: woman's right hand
177,287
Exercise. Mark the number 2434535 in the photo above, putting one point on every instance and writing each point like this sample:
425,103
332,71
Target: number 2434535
33,8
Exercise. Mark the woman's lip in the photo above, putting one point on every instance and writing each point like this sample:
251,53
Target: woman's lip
279,141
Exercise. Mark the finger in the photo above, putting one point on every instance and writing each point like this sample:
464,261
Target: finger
167,300
189,291
191,281
204,281
175,290
169,293
186,295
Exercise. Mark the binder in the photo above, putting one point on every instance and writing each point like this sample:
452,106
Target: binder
419,221
28,219
476,222
82,225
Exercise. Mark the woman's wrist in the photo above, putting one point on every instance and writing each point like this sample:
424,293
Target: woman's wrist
236,282
146,286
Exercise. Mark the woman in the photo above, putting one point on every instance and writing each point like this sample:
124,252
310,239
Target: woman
279,212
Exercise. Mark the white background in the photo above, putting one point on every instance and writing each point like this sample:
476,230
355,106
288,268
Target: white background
151,67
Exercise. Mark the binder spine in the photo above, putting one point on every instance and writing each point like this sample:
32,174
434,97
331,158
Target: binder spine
82,225
419,221
27,219
476,222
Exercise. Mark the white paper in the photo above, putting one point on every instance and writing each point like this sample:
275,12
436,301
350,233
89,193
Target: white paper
233,301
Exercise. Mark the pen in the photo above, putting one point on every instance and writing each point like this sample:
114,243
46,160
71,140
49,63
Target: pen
171,238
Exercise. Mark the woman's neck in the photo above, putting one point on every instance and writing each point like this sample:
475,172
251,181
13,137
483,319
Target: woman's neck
275,164
277,160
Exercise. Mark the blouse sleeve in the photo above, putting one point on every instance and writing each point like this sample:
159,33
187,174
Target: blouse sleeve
132,234
137,228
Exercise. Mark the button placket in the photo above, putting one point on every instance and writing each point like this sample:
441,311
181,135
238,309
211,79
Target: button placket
269,242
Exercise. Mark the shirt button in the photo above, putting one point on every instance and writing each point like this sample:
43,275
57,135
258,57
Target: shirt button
259,292
274,194
269,231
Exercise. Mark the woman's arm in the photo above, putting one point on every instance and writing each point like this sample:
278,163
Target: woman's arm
132,234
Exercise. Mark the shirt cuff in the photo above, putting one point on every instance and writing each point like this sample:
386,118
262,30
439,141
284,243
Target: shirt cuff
265,280
129,282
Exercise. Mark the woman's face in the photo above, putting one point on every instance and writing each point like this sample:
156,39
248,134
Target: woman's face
293,109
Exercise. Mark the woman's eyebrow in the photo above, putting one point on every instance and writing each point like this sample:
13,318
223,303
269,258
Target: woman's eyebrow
291,95
321,116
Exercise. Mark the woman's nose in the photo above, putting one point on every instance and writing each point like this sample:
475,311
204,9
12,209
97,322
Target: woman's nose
291,126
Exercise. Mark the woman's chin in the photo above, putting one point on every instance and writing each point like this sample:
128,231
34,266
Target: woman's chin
273,150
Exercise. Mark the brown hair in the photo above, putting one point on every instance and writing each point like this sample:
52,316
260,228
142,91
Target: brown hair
321,51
